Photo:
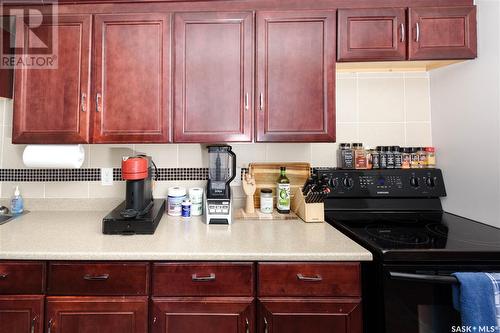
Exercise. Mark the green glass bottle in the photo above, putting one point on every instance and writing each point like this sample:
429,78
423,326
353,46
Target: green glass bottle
283,192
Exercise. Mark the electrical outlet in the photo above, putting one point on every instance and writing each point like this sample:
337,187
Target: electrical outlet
106,176
237,179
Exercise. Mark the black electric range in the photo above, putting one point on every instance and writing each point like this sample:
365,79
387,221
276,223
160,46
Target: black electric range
398,216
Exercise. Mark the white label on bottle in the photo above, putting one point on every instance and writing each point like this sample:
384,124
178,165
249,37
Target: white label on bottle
283,197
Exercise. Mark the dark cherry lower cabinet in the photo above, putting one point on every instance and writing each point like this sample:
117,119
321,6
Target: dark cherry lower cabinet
97,314
21,314
296,76
52,104
443,33
132,73
304,315
213,77
207,315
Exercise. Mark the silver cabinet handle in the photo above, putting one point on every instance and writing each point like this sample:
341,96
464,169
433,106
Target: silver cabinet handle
84,102
49,328
205,278
102,277
266,326
246,102
403,32
247,326
315,278
261,102
98,101
33,322
3,276
418,33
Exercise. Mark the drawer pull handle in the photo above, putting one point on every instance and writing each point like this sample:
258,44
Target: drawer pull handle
316,278
49,327
266,325
247,326
3,276
205,278
102,277
33,322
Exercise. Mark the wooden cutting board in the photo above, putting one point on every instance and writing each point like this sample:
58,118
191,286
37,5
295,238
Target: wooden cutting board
266,175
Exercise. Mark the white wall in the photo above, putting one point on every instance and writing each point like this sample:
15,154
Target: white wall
465,106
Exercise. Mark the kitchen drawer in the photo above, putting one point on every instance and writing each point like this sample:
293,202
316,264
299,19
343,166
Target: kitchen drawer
98,279
22,277
309,279
203,279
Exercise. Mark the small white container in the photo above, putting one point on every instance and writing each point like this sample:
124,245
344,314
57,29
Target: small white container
196,197
176,196
266,201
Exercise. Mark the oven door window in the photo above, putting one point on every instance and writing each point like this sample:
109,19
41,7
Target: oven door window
418,306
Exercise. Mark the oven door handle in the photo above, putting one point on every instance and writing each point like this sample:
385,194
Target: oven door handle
448,279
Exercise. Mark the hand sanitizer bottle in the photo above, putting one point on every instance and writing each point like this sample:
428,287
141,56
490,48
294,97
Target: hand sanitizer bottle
17,203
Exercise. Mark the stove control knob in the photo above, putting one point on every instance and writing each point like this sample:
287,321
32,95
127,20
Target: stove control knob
348,182
431,182
334,182
414,182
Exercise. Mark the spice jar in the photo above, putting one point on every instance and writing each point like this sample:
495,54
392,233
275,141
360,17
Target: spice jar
414,158
422,158
266,201
390,158
383,157
398,157
406,158
359,156
431,157
346,156
375,158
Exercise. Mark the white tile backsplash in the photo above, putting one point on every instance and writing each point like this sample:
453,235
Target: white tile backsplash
373,108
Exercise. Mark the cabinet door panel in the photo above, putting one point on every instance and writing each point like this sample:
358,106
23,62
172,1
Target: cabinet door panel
372,34
21,314
296,76
207,315
97,314
443,33
132,78
213,77
304,315
51,105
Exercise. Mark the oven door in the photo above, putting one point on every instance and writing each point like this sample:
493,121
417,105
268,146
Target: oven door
418,299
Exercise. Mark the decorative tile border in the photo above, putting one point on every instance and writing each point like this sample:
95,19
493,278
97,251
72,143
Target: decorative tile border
94,175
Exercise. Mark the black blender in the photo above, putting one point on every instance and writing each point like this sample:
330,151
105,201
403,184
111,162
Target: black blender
222,170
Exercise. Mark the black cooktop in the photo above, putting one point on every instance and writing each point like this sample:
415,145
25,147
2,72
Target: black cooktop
423,236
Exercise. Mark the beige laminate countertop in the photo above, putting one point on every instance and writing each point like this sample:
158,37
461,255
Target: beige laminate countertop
67,235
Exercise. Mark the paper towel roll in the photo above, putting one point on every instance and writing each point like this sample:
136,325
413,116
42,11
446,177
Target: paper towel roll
54,156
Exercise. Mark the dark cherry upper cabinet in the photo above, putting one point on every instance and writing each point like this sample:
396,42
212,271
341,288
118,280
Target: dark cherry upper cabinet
443,33
21,314
132,72
52,105
295,97
97,314
213,77
6,75
304,315
371,34
207,315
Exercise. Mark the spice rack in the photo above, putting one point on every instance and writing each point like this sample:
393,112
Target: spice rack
308,212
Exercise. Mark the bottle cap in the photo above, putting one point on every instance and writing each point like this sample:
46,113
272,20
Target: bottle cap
16,192
395,148
283,168
430,149
266,190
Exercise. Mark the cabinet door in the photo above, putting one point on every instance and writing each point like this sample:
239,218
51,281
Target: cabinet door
372,34
213,77
97,314
132,65
296,76
21,314
6,74
51,104
443,33
206,315
303,315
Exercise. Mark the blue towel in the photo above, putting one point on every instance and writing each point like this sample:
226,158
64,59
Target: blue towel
495,281
474,298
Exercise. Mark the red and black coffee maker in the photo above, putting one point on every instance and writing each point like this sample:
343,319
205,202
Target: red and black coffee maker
139,213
